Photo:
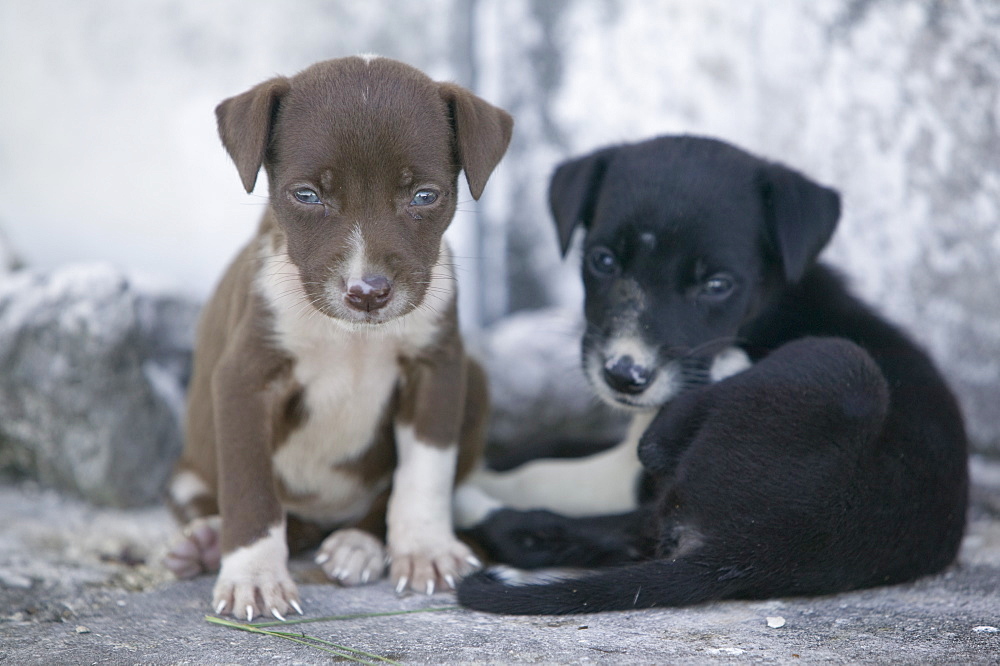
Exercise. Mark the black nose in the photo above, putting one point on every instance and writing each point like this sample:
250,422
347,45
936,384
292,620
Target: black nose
624,376
370,293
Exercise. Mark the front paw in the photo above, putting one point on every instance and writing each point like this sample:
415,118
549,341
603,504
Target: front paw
352,557
254,582
431,566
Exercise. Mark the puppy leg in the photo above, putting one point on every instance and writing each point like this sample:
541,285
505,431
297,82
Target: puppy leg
542,539
254,580
253,577
198,550
425,555
602,483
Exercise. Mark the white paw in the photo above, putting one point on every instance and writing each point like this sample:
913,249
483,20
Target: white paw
436,566
352,557
254,581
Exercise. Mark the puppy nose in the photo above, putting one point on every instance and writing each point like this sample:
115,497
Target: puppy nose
369,293
625,376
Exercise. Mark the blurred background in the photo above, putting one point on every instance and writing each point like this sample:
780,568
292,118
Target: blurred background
109,153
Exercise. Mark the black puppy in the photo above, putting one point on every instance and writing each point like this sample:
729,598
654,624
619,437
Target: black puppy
837,461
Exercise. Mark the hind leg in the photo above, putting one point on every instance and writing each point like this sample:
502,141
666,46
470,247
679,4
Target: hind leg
198,550
542,539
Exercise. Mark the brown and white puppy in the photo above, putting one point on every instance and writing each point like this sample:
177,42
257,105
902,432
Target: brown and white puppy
331,390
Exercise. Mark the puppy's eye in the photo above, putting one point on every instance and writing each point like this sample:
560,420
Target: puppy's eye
424,198
718,286
306,196
602,262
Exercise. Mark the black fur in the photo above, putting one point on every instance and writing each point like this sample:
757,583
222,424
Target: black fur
837,461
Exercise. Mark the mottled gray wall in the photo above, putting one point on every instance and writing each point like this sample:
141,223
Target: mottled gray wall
108,148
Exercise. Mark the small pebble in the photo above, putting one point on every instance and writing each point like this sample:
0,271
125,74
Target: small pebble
985,629
82,629
776,622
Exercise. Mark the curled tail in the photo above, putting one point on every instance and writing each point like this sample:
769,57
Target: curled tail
679,582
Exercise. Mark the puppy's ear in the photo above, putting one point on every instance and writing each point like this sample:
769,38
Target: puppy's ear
573,193
482,134
801,217
245,126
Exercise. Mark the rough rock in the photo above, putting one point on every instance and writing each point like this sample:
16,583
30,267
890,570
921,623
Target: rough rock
91,388
541,402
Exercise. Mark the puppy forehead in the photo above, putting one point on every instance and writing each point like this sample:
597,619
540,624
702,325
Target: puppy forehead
347,111
659,247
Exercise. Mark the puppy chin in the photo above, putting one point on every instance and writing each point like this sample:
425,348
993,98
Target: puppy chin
333,304
357,320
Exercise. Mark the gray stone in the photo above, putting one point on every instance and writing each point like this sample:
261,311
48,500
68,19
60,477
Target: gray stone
541,402
91,387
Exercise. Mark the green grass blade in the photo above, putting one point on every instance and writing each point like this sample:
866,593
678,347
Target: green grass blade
352,616
343,651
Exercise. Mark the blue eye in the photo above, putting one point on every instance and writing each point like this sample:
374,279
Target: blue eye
602,261
424,198
306,196
718,286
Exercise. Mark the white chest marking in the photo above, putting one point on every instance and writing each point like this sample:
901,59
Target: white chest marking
348,374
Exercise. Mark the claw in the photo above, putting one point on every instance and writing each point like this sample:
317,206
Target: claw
249,613
322,558
221,606
278,615
401,585
365,575
430,588
295,605
474,561
448,578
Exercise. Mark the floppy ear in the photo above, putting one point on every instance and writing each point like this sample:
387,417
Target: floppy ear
573,193
801,217
482,134
245,126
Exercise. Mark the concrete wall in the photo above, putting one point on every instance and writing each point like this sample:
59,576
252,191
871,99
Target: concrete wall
108,148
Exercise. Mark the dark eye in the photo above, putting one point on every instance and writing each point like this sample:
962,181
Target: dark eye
602,261
717,286
306,196
424,198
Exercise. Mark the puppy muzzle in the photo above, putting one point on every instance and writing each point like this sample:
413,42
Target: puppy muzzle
369,293
626,376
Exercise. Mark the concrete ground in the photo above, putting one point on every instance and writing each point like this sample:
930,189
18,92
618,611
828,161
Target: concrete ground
80,585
